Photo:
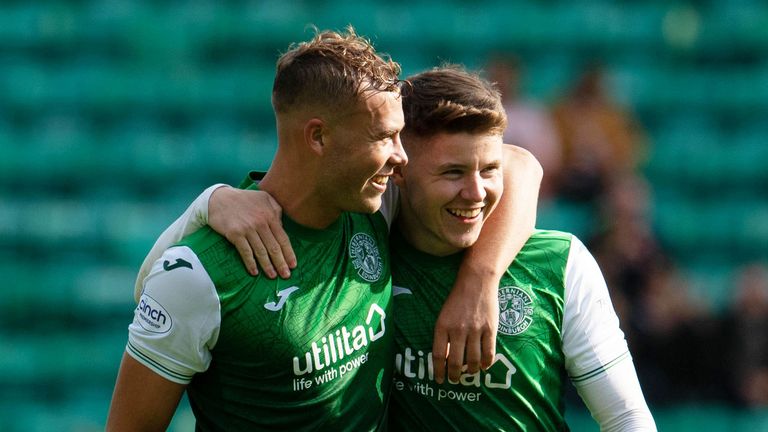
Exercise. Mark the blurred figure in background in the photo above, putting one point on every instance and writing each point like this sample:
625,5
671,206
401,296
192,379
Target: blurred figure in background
600,141
746,325
624,243
664,323
530,124
630,255
673,335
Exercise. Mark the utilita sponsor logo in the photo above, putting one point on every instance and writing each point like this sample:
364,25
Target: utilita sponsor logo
152,316
343,343
417,364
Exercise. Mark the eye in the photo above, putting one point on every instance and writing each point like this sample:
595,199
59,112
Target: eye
388,135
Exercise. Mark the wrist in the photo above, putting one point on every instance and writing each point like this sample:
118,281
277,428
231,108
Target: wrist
479,276
207,198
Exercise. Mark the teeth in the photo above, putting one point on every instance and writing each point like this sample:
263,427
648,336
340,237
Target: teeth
380,179
465,213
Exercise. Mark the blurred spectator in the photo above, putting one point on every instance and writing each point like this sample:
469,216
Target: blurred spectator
674,336
746,326
664,324
600,141
529,124
625,244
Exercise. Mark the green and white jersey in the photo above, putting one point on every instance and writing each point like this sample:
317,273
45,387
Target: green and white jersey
555,320
313,352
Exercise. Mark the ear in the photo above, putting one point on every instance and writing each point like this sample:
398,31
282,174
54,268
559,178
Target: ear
313,135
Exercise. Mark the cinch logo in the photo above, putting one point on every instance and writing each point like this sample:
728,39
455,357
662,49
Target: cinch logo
342,343
152,316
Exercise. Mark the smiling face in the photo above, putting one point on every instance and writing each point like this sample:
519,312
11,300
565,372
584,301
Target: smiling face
361,151
451,184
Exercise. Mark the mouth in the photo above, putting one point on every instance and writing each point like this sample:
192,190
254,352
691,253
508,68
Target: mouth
466,214
380,179
380,182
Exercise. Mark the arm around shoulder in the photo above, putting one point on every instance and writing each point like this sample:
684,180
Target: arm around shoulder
514,219
193,218
469,317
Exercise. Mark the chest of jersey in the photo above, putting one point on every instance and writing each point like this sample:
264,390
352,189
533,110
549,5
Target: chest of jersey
317,346
522,389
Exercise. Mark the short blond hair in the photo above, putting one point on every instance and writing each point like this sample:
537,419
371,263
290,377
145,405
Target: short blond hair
331,71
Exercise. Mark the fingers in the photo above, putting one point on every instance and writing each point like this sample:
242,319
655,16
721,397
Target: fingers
461,350
471,353
439,353
488,348
278,243
455,358
262,247
285,248
246,254
261,252
250,220
448,353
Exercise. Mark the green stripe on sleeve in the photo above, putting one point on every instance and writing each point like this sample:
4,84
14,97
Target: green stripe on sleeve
157,367
601,369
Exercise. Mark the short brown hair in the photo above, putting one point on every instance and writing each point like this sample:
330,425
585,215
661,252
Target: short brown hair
331,70
452,100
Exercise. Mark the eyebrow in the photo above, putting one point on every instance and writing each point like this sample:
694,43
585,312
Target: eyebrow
450,166
384,133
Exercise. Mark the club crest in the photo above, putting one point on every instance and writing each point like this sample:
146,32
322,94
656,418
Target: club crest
515,310
365,257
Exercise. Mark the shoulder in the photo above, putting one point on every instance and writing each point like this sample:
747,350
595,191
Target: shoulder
203,239
179,283
541,237
178,313
178,266
375,219
216,254
547,243
372,223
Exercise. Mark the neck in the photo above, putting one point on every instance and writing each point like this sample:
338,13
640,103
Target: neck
298,196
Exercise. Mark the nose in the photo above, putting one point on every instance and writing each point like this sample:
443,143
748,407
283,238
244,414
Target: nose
398,156
474,188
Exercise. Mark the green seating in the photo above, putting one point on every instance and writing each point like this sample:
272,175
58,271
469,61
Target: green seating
567,216
732,230
114,115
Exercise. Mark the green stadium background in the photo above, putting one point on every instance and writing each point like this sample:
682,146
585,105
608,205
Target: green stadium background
115,114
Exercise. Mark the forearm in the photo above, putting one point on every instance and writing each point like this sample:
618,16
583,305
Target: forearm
511,223
469,316
195,217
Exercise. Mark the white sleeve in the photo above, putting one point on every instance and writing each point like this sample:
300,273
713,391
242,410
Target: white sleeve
195,217
615,400
390,203
177,321
596,355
